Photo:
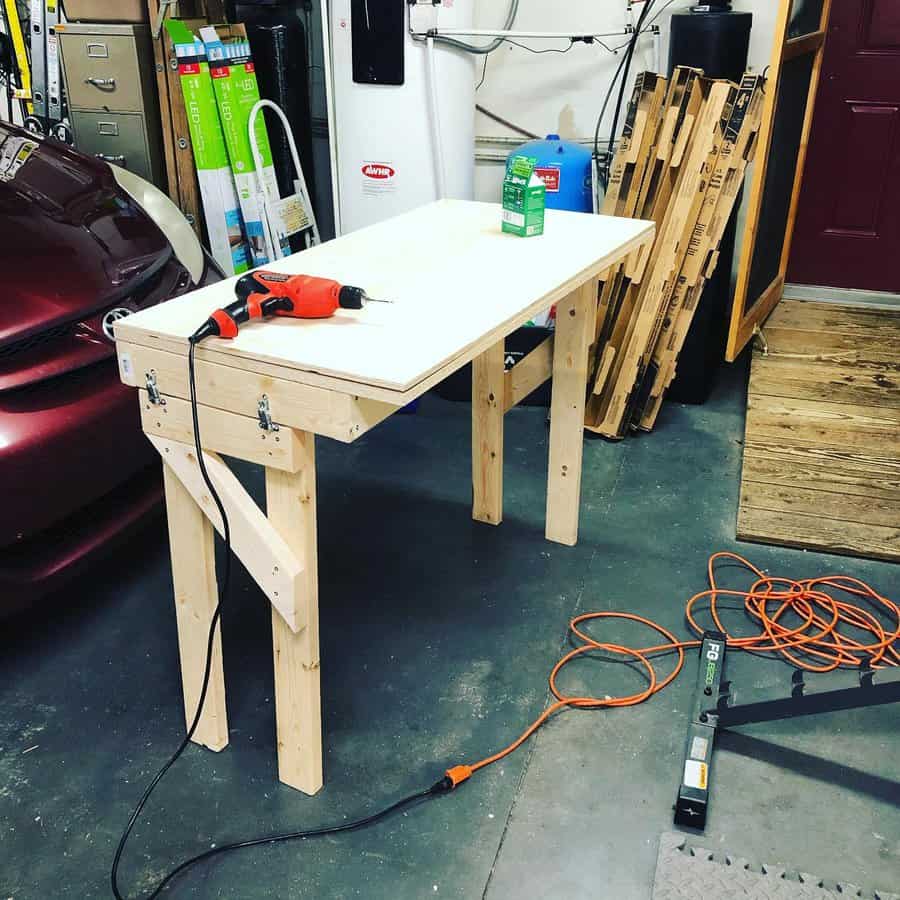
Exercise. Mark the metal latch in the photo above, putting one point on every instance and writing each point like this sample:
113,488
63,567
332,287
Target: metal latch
153,393
264,411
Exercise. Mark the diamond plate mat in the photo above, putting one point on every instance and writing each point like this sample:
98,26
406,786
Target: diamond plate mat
685,872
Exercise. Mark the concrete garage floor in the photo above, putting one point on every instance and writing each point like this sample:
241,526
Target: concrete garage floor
437,637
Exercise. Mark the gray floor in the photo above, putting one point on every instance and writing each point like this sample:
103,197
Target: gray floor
438,634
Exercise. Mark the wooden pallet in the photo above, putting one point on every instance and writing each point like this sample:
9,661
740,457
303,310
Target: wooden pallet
698,147
183,187
639,322
822,449
664,139
737,150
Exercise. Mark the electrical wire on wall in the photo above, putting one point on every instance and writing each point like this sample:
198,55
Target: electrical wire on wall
495,44
474,48
602,159
623,68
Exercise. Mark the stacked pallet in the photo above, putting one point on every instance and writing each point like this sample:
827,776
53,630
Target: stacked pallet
681,162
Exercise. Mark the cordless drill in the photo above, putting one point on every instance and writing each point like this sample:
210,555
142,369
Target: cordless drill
262,294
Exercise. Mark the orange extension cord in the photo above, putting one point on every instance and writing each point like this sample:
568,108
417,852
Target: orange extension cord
818,644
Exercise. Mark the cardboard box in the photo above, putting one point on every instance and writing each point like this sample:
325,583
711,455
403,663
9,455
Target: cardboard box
524,198
217,191
237,92
125,11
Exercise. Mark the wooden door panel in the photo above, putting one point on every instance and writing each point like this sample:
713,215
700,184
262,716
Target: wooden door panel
881,25
872,131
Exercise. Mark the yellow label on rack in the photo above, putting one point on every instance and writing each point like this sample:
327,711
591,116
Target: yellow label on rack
696,774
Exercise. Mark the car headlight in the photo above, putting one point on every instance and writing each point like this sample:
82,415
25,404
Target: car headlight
167,216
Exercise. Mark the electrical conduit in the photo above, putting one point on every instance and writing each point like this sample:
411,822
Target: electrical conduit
437,141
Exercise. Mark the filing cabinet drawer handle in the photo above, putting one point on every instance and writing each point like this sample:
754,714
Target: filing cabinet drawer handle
100,82
118,160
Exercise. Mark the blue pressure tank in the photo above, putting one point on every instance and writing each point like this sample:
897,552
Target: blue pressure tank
565,169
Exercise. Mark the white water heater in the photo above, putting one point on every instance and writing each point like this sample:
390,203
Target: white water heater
402,122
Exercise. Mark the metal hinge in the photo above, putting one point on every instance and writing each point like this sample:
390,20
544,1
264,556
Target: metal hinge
264,411
153,390
164,6
761,343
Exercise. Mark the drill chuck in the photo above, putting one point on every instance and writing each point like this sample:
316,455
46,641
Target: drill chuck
351,297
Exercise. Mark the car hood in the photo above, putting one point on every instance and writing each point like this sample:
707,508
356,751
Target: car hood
70,238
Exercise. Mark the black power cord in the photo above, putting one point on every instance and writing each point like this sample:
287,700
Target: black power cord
443,786
629,56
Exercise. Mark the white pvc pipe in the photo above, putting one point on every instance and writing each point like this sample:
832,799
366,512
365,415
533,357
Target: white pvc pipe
437,140
332,118
295,156
481,32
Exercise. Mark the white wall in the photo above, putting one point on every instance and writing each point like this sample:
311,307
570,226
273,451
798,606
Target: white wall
563,93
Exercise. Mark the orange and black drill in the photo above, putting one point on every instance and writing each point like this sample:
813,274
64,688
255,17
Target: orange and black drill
262,294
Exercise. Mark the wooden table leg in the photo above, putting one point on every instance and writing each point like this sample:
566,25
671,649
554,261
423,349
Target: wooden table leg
194,576
291,508
574,331
488,407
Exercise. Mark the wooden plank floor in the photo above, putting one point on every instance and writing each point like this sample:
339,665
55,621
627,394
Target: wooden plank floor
822,449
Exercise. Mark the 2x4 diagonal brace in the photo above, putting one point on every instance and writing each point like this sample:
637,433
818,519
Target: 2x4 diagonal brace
256,543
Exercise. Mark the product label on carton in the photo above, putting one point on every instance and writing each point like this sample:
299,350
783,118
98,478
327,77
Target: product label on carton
524,198
236,91
550,175
217,190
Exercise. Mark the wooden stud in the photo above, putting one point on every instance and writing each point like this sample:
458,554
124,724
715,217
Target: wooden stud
488,406
529,374
291,504
574,327
223,432
274,566
165,110
196,596
330,413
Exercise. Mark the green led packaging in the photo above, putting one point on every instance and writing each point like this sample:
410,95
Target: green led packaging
524,198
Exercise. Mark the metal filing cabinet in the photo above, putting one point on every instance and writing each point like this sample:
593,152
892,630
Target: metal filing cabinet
110,79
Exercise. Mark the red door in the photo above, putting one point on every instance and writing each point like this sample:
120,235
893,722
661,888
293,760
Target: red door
847,233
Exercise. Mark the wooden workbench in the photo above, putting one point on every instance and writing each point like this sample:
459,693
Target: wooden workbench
459,287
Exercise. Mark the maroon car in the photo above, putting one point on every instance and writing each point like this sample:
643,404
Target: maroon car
82,244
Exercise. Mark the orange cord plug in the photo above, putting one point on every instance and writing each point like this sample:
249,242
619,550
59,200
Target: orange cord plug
459,774
816,644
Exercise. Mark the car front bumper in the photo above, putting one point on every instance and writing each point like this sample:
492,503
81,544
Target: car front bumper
77,472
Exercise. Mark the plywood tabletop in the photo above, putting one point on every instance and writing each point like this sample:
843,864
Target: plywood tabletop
458,284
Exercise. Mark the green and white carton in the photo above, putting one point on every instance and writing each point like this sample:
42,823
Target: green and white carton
217,192
524,198
237,92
